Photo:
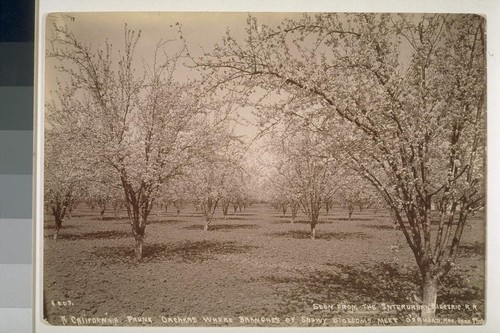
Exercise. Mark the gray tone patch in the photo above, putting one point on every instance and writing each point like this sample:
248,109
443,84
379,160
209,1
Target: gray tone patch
16,149
15,286
16,108
15,196
16,64
15,241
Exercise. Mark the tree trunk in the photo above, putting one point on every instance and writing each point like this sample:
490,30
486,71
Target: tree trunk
207,221
429,293
350,214
313,231
56,233
139,244
59,222
139,230
294,209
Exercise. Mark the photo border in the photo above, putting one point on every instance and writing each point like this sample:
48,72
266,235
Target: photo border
487,8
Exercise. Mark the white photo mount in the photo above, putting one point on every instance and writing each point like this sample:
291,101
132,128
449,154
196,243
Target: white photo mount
81,322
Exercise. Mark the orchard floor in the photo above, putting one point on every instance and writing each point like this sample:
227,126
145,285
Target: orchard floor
253,269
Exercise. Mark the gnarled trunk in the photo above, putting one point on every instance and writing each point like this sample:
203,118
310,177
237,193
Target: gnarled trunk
429,297
209,206
139,232
139,206
58,219
139,245
138,220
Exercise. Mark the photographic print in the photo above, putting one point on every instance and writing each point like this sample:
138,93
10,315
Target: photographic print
264,169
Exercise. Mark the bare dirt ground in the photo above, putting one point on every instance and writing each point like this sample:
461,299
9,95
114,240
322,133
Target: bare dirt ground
253,269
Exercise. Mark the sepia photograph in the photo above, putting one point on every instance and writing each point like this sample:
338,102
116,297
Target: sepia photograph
264,169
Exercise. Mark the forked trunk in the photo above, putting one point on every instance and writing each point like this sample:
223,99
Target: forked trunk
429,293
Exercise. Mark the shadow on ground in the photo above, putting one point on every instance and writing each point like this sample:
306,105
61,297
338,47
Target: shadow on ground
93,235
222,227
476,248
379,226
169,221
286,220
110,218
53,227
302,234
192,252
353,219
366,284
83,215
324,220
235,218
242,214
